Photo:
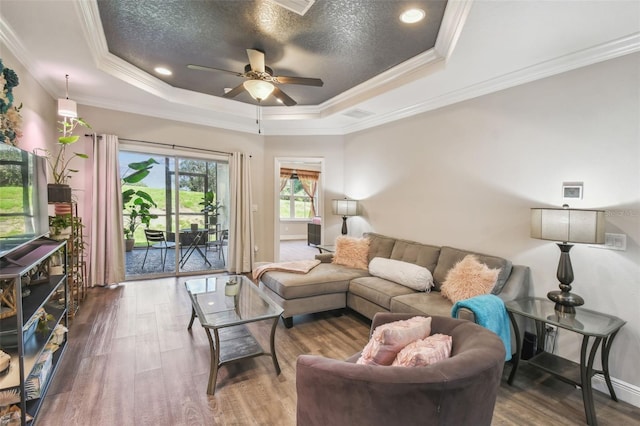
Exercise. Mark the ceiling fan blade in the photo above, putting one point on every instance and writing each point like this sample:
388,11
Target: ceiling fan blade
235,91
203,68
256,60
286,99
299,80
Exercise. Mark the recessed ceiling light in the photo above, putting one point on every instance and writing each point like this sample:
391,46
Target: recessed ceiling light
412,16
163,70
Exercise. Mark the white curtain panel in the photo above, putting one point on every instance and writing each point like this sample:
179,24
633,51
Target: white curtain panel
107,241
241,233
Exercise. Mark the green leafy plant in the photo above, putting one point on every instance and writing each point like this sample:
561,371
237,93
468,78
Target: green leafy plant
59,163
209,204
136,202
59,223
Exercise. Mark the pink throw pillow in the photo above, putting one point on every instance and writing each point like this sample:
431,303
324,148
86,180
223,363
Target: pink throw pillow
425,352
352,252
389,339
468,278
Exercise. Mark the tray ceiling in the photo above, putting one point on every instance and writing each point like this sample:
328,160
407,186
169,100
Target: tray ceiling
481,47
342,42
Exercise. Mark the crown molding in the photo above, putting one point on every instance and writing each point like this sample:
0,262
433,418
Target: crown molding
453,21
193,116
603,52
214,111
416,67
9,38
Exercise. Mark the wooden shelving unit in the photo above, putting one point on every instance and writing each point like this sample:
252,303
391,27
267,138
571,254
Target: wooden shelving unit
76,262
28,348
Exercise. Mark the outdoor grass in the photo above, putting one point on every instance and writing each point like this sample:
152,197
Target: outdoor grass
11,203
11,199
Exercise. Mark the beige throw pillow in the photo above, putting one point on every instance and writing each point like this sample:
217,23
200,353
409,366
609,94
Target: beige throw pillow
388,339
469,278
352,252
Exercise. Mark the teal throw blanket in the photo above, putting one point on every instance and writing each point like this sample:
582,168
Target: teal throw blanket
490,313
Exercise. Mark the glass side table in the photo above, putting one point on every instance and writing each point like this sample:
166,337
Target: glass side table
602,328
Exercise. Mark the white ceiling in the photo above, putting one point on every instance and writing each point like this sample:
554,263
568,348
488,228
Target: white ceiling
483,46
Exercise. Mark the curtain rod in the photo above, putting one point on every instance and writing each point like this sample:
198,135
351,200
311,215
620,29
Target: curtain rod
172,146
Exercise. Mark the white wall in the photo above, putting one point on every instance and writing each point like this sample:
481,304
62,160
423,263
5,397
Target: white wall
467,175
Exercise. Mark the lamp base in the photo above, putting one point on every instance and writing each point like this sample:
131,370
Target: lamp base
565,301
344,225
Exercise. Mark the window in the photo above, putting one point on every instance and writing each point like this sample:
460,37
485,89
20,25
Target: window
294,201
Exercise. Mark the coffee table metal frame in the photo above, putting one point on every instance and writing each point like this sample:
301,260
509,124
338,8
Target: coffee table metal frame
231,315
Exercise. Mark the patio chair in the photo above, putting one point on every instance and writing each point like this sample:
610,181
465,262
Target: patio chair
219,243
157,240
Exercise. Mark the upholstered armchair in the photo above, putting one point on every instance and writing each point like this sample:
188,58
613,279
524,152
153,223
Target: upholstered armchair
460,390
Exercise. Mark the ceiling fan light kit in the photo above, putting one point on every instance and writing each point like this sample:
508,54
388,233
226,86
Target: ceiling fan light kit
261,83
258,89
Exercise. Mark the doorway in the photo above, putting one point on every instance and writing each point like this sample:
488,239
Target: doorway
184,229
299,201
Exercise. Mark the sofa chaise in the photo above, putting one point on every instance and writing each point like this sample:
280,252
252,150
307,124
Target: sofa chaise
330,286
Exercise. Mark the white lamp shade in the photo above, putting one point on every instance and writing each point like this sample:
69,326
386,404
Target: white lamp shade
258,89
568,225
67,108
345,207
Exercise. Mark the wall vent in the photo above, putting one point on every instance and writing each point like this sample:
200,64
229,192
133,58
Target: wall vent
358,113
298,6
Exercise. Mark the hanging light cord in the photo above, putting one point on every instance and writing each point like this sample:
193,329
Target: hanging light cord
67,77
258,117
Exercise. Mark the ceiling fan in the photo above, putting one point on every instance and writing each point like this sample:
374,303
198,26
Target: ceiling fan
260,81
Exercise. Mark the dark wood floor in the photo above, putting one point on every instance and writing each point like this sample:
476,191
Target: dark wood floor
131,361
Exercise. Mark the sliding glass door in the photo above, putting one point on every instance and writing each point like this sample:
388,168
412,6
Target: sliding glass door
177,214
200,214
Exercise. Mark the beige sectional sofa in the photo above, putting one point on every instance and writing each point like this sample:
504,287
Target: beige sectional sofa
329,286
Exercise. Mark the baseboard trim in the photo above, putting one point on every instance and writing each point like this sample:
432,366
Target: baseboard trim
293,237
624,391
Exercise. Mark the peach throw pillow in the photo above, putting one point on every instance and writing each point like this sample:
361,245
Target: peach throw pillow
468,278
425,351
352,252
389,339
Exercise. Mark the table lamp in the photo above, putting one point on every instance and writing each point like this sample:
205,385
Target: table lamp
345,208
569,226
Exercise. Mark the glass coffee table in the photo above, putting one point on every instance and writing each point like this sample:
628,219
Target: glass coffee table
224,306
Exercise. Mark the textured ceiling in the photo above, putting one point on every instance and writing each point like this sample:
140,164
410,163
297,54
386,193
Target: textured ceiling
342,42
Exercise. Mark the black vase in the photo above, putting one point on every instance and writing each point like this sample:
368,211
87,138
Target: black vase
59,193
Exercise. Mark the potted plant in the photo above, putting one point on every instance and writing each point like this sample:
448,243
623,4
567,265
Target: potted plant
210,207
136,202
59,190
60,226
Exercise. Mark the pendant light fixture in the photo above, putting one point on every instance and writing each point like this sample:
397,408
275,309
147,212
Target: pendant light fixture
67,107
